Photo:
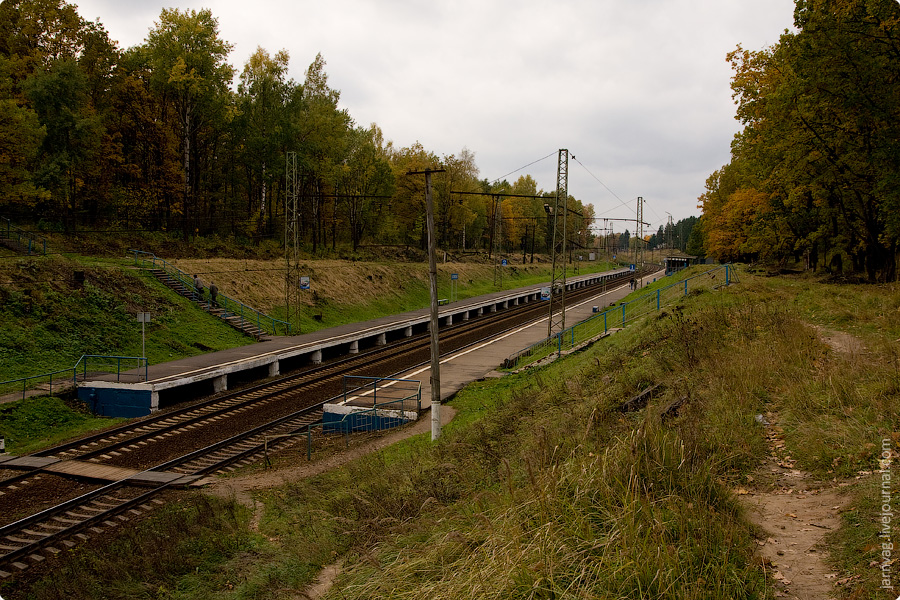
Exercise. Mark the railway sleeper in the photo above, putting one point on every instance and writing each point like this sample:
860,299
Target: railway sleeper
18,540
67,521
37,534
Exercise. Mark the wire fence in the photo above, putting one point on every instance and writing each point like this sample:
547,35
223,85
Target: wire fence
648,302
369,404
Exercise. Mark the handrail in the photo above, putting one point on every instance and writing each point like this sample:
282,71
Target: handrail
230,306
72,372
342,424
591,326
21,233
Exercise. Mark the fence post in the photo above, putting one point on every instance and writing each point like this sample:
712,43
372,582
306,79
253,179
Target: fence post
685,287
605,329
657,299
623,315
727,275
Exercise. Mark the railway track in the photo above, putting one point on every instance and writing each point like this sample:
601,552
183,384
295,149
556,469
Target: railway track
185,444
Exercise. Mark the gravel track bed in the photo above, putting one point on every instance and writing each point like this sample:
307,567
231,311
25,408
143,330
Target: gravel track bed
43,493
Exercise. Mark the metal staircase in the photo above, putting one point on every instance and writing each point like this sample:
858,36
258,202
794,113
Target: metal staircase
238,321
21,241
245,319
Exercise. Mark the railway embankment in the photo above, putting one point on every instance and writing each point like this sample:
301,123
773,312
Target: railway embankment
543,486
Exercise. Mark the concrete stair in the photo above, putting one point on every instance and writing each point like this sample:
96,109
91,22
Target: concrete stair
243,325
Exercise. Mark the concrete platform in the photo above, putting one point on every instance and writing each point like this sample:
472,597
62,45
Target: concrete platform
173,382
482,361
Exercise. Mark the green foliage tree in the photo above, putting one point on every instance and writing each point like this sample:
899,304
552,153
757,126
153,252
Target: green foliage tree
74,132
21,135
366,182
188,67
264,96
320,134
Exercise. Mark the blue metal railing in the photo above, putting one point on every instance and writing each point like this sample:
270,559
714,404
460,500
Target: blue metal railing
70,375
620,315
30,242
399,396
229,306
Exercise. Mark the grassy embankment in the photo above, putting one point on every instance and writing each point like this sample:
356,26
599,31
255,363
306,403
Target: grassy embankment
351,291
541,488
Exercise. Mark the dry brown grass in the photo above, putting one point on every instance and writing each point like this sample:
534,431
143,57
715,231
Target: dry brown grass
260,283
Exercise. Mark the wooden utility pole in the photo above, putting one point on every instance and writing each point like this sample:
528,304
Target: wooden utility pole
432,272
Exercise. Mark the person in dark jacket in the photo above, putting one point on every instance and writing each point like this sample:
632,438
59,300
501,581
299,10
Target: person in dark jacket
213,293
198,286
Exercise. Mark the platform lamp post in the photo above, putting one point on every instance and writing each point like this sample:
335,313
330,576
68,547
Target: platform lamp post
143,318
432,271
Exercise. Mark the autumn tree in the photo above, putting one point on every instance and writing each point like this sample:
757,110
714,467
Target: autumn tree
815,168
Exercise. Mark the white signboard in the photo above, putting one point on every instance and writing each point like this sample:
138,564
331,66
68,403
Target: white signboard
304,283
143,317
545,293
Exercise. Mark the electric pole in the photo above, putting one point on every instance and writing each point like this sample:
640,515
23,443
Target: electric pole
432,272
557,320
639,247
291,240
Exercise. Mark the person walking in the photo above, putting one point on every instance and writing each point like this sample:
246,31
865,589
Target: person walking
198,286
213,293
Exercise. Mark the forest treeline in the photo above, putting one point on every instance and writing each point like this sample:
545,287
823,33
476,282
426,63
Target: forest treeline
815,172
168,136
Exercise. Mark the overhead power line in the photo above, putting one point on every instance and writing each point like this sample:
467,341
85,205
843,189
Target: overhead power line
525,167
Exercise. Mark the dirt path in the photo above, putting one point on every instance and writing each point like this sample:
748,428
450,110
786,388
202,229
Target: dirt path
241,488
796,512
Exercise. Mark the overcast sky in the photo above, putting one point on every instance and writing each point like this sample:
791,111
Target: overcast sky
637,90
